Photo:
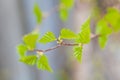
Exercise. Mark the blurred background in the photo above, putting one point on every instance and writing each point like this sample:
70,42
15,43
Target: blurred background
17,19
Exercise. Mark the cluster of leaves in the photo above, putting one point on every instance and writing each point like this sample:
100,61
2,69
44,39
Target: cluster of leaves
65,6
30,40
104,27
109,24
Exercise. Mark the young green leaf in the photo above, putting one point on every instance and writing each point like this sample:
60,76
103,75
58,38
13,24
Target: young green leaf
102,41
67,34
48,37
30,60
63,14
37,13
21,49
43,64
30,40
78,53
113,18
67,3
104,30
84,35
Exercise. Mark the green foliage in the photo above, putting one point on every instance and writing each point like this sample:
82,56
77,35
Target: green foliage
67,3
104,30
113,18
30,40
78,53
67,34
102,41
84,35
30,60
63,14
48,37
21,49
109,23
65,6
43,64
37,13
42,61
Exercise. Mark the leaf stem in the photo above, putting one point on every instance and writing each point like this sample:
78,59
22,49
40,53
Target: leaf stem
94,36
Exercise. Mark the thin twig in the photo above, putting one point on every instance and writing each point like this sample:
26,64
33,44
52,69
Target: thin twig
57,46
64,44
70,44
52,48
94,36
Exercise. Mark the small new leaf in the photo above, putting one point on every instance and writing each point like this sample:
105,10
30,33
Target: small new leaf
63,14
30,60
37,13
102,41
104,31
43,64
67,3
78,53
30,40
113,18
67,34
65,6
48,37
102,28
84,35
21,49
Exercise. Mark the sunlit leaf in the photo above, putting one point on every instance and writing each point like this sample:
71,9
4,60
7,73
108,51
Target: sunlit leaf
67,3
63,14
37,13
67,34
102,41
65,6
113,18
84,35
78,53
48,37
104,30
43,64
30,60
30,40
21,49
